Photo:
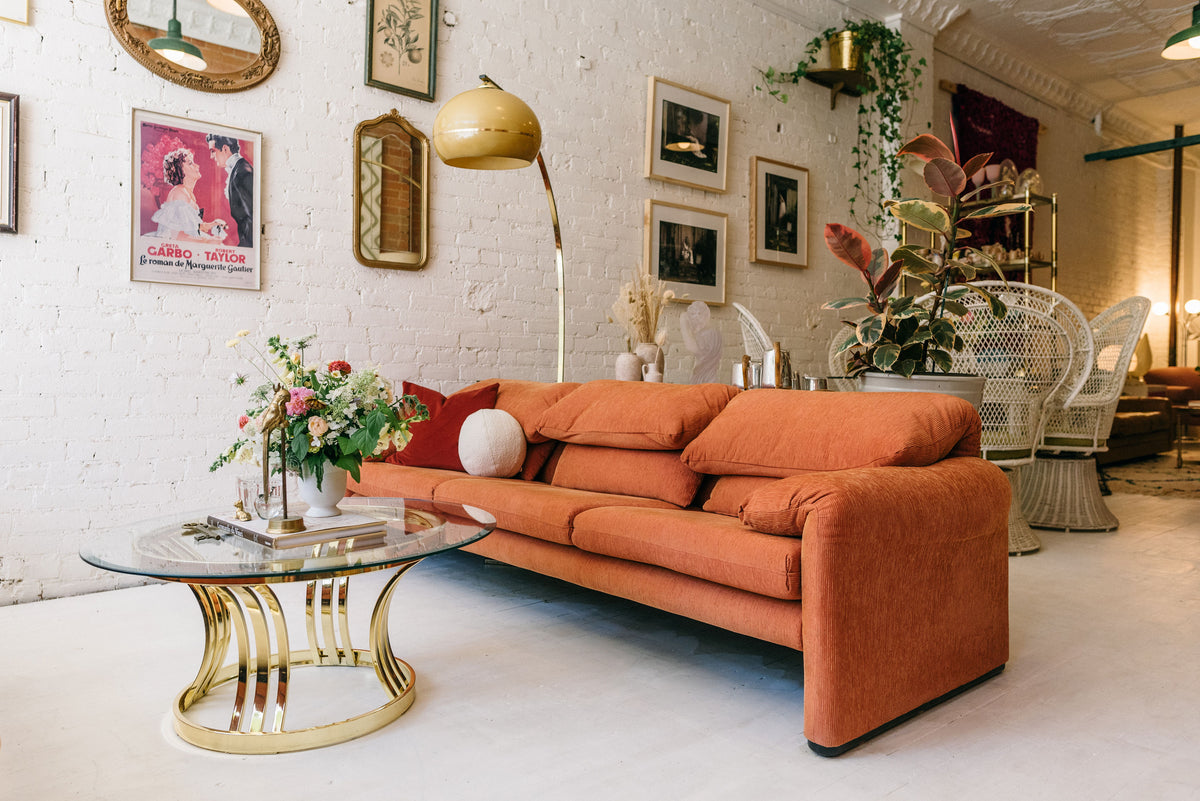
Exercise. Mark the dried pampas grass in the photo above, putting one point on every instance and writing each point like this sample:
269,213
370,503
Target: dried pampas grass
637,309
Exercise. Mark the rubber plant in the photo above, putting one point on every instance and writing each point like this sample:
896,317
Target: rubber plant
890,77
909,334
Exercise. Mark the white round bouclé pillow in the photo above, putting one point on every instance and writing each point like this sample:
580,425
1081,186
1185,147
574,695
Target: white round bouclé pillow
491,443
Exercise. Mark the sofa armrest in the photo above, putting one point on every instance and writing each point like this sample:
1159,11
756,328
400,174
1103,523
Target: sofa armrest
1129,403
904,581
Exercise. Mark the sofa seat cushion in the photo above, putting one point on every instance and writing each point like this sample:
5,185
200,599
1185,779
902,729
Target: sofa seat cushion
778,432
633,414
383,480
643,474
725,495
533,508
707,546
1132,424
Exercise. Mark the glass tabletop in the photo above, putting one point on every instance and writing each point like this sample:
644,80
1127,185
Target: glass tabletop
170,549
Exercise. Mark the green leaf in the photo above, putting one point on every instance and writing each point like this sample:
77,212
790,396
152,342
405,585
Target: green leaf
905,367
870,330
954,307
921,214
944,331
996,210
941,359
844,303
914,260
885,356
999,310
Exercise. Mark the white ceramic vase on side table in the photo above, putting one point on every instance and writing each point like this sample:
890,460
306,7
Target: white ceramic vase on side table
323,502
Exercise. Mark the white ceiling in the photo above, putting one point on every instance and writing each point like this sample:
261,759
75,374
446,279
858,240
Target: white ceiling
1108,50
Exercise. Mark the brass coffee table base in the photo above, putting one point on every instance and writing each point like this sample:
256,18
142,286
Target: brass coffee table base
252,614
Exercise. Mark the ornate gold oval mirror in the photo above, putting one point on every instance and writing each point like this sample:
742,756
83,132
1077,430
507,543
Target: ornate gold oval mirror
210,45
391,193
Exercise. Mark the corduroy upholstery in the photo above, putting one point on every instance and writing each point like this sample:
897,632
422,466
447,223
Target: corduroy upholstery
891,573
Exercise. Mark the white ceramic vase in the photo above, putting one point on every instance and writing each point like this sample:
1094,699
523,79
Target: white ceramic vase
651,354
629,367
323,502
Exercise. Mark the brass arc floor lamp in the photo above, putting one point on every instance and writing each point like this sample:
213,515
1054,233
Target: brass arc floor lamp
486,128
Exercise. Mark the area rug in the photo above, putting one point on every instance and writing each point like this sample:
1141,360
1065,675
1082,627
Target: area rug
1155,476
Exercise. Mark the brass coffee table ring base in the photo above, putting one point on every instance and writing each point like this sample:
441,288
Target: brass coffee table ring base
251,614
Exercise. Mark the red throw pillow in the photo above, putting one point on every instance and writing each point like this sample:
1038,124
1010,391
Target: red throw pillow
435,441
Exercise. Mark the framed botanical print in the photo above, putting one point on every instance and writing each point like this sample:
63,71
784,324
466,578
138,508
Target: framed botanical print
685,247
402,46
196,212
778,213
687,136
8,163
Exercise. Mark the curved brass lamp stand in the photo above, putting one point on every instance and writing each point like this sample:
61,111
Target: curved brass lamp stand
487,128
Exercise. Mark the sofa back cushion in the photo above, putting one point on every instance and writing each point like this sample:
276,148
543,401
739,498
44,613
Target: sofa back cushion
779,432
725,495
642,474
435,441
527,401
633,414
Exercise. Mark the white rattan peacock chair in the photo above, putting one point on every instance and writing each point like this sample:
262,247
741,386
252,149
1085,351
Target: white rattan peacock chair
1026,357
1061,489
759,347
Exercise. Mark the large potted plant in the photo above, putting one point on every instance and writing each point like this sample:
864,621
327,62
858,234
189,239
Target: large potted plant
913,335
885,76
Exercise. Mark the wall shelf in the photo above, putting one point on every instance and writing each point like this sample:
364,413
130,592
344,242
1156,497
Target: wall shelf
846,82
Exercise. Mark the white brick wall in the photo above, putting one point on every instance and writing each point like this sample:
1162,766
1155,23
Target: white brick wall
115,400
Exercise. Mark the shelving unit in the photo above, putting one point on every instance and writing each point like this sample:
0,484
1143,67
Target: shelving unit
1023,268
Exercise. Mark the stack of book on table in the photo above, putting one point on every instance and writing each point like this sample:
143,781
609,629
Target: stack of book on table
362,529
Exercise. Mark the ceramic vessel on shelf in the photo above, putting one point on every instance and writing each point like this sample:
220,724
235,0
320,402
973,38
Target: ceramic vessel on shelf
1008,174
1031,180
323,502
651,353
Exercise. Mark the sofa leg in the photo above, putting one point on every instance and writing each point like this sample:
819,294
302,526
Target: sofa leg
838,750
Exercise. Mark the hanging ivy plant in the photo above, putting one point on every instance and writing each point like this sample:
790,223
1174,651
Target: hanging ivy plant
889,78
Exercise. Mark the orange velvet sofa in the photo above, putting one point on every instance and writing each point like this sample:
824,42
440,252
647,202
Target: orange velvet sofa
862,529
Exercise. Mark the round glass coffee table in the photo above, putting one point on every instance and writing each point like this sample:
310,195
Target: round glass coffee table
230,577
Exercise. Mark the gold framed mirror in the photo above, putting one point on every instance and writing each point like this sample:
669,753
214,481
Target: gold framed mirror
209,45
391,193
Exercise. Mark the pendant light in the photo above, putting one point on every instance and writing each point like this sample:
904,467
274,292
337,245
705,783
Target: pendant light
1186,43
173,48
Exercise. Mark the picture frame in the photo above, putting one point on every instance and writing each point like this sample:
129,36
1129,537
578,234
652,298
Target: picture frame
685,247
9,106
15,11
196,193
687,136
402,46
778,213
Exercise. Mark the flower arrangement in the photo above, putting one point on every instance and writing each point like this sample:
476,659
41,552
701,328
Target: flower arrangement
638,307
336,415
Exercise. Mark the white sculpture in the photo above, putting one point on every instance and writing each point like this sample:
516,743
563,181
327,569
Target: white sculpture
702,340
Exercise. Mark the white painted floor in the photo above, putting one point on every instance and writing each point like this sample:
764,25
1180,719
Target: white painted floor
532,689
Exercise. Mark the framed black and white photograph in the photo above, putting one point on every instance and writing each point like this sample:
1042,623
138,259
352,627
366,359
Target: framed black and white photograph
685,247
196,205
402,46
687,136
778,213
8,163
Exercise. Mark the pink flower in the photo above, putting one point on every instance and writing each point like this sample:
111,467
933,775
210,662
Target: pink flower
242,421
339,366
301,401
317,426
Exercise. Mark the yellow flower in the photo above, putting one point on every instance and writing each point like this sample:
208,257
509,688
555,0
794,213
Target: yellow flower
233,343
242,333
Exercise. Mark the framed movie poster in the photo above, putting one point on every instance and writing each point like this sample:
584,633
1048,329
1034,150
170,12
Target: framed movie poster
687,136
402,46
8,162
685,247
196,203
778,213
